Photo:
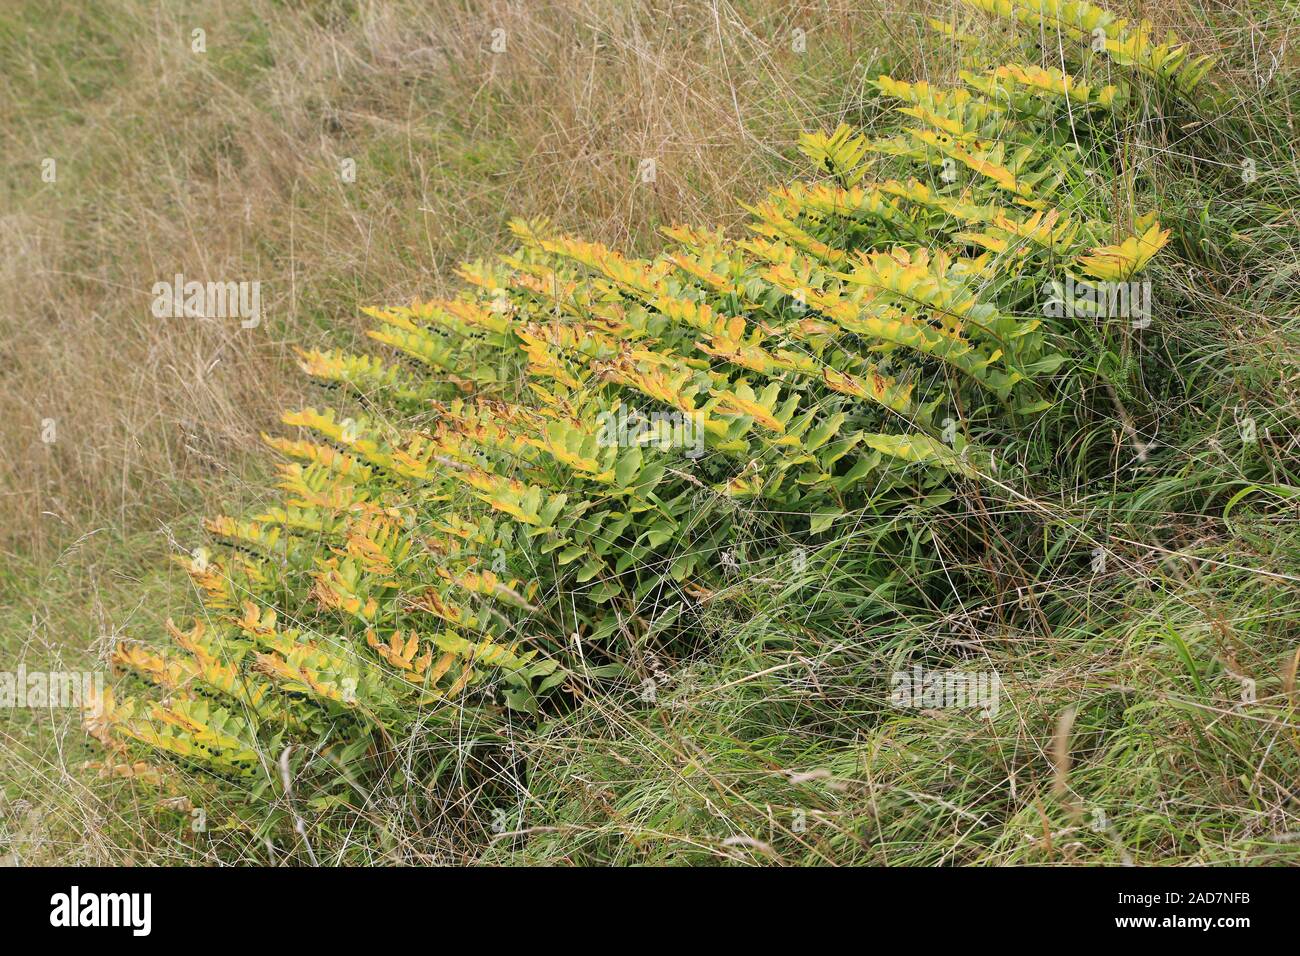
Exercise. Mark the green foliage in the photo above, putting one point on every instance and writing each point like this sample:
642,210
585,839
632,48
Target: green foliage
468,537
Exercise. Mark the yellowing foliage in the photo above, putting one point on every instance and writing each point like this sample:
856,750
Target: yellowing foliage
515,482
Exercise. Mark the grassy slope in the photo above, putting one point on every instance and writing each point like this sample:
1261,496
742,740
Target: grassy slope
765,744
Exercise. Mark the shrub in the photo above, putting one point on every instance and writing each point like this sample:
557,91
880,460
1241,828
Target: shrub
547,477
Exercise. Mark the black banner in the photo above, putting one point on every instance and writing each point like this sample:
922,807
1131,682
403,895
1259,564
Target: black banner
139,905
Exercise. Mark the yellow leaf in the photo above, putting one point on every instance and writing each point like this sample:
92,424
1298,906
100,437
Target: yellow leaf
1128,258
